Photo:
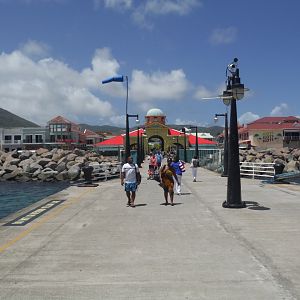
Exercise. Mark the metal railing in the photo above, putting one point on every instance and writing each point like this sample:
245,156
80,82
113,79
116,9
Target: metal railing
257,170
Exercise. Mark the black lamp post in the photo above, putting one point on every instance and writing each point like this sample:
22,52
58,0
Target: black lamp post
138,150
142,147
127,138
121,78
196,149
225,171
236,90
177,148
184,136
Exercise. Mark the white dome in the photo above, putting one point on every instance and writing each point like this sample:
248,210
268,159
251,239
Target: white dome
155,112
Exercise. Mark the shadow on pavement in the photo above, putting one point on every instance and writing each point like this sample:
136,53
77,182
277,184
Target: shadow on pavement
255,206
169,204
142,204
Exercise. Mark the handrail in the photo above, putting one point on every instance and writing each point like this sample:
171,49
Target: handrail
257,169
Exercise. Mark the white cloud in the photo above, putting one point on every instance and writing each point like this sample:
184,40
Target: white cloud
158,85
141,11
118,120
280,110
139,18
40,90
114,4
103,66
203,92
35,49
222,36
248,117
179,121
163,7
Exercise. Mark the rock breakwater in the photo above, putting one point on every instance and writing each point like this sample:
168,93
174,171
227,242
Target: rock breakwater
54,165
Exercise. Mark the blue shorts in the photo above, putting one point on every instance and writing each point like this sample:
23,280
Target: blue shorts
130,187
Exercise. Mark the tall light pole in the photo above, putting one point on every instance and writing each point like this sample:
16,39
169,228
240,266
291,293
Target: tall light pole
127,133
177,148
184,136
236,90
121,78
197,146
225,171
138,150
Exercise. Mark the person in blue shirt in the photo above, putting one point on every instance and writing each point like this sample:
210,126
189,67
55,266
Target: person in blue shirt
178,167
158,159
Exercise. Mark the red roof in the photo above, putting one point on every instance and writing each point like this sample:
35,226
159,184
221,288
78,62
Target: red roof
88,132
201,141
174,132
60,120
119,140
115,141
274,123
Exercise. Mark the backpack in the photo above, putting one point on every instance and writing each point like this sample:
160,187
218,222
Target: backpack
195,163
181,166
138,176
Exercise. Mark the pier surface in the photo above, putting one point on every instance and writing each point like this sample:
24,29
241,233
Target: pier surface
91,246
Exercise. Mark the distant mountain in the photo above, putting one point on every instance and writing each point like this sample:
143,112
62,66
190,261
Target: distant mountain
103,128
10,120
213,130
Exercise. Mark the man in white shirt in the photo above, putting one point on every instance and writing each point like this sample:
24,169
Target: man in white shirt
129,175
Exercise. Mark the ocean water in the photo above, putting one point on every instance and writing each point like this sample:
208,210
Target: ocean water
17,195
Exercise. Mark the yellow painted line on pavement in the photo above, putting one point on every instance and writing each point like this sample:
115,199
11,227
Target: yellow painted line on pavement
45,219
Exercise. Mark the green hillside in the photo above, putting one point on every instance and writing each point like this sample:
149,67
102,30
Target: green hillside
103,128
10,120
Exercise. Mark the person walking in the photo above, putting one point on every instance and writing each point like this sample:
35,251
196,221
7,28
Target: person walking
130,176
194,167
152,166
178,166
167,176
159,158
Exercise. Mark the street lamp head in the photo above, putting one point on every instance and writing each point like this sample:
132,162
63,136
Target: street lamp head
137,120
216,119
238,91
227,96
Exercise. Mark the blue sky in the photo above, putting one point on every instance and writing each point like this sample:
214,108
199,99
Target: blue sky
55,53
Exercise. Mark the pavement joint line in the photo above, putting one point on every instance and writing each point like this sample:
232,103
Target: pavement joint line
44,219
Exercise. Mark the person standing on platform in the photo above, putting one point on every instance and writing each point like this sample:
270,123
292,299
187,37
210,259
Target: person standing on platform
194,167
178,166
130,176
167,177
159,158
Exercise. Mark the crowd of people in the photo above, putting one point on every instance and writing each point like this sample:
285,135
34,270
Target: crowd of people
168,175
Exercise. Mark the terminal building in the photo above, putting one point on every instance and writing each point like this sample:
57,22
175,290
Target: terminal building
154,134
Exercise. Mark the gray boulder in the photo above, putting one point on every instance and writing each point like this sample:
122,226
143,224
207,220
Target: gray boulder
74,172
33,167
52,165
71,157
43,161
40,151
13,174
25,155
62,176
292,166
60,167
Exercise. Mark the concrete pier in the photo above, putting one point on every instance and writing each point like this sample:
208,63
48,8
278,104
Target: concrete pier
91,246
